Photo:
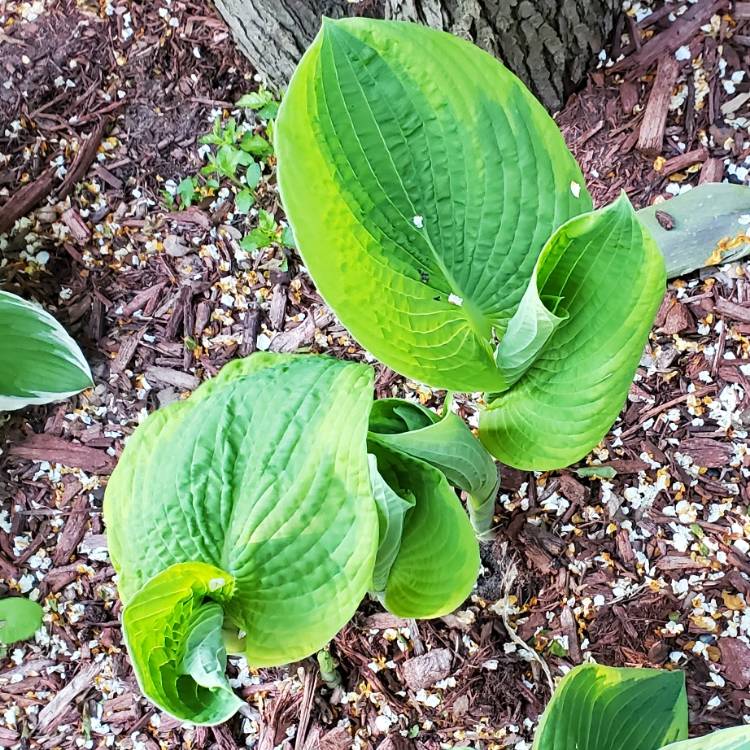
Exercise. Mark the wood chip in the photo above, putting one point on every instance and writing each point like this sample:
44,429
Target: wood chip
303,334
59,451
711,171
683,161
706,452
735,658
51,714
79,229
170,376
733,310
423,671
26,199
651,134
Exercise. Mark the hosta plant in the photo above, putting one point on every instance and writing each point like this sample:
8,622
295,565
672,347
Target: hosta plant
606,708
443,219
254,517
39,361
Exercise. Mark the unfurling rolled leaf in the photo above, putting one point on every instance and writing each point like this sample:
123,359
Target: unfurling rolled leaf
39,361
422,180
734,738
606,708
438,559
247,519
446,443
706,226
605,277
174,636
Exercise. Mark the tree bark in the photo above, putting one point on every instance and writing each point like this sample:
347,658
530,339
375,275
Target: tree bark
550,44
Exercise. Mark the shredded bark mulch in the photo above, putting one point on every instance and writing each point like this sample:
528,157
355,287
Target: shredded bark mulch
101,111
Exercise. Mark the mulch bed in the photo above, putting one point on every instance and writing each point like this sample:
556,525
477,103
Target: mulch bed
103,105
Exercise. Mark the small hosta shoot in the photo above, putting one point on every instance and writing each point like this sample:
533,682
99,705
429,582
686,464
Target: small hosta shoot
444,220
608,708
39,361
254,517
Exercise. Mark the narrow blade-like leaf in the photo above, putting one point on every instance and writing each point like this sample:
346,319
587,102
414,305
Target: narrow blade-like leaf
705,226
734,738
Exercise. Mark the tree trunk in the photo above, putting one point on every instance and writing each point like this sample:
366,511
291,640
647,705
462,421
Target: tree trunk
550,44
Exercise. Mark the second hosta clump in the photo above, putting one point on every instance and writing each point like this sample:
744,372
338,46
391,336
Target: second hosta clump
254,517
446,223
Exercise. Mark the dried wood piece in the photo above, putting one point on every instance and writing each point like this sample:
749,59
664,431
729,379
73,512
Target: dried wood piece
126,351
424,671
27,198
677,318
251,327
77,226
60,451
277,309
683,161
741,11
570,629
141,300
384,620
732,310
58,706
735,657
628,96
72,534
83,159
679,562
662,45
170,376
707,452
9,738
711,171
651,134
303,334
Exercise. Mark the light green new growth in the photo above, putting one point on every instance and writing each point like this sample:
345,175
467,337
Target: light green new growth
39,361
606,708
267,505
433,201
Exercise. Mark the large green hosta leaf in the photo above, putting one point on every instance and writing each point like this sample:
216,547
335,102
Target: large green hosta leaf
263,475
39,361
605,708
422,180
250,517
603,276
735,738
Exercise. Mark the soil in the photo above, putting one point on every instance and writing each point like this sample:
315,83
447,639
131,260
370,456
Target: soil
649,568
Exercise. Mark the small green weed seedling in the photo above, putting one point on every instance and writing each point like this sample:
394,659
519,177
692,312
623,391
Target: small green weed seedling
268,504
606,708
